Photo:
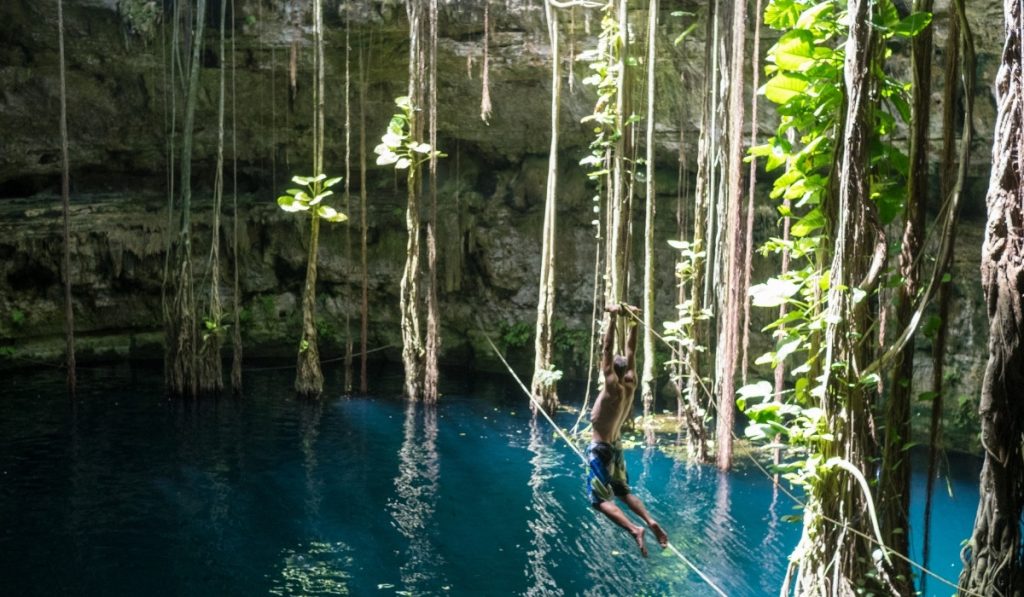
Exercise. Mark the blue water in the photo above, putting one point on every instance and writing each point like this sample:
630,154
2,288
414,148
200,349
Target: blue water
127,493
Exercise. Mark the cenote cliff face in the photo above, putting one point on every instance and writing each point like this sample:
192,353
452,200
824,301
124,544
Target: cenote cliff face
491,184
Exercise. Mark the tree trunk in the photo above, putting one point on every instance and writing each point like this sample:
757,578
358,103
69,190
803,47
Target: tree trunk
734,265
894,482
365,307
697,396
543,386
433,339
182,342
748,235
309,379
994,562
348,190
65,193
648,379
830,559
236,330
210,378
947,173
412,346
618,210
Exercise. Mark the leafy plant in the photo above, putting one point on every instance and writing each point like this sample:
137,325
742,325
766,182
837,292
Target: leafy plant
568,341
140,16
17,317
805,82
515,335
397,146
681,332
215,327
548,377
317,188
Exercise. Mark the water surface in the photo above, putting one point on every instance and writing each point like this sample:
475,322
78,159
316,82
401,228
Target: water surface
127,493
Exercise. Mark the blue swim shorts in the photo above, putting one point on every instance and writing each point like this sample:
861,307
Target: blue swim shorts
607,475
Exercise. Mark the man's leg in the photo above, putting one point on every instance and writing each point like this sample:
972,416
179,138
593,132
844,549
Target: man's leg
637,506
616,515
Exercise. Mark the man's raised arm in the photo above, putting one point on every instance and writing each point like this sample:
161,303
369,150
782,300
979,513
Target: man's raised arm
631,340
608,344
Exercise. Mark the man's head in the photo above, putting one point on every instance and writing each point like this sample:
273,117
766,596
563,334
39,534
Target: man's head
620,363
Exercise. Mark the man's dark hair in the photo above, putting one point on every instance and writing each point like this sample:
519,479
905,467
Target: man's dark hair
620,363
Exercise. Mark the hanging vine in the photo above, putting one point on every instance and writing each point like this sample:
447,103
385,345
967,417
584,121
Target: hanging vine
545,375
182,341
212,336
65,193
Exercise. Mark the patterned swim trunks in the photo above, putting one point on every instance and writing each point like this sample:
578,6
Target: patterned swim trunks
607,475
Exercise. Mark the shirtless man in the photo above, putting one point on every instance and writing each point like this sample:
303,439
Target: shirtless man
613,406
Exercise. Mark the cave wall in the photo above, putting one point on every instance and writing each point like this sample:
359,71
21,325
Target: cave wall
491,183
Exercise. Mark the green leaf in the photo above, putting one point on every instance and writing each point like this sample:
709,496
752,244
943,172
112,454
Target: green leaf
781,14
302,180
890,204
679,38
402,163
320,197
783,87
332,181
330,214
761,389
402,101
787,348
773,293
814,15
391,140
794,51
913,24
812,221
289,204
888,17
421,147
385,159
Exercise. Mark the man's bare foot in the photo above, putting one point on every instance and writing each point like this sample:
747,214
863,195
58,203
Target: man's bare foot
660,534
638,534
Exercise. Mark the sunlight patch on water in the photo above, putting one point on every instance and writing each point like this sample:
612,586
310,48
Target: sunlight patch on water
319,569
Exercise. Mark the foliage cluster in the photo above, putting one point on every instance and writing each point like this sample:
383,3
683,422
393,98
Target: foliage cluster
141,17
805,82
398,146
317,188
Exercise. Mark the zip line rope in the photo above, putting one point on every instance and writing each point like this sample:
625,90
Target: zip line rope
802,504
538,407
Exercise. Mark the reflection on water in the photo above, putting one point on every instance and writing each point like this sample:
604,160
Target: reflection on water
309,428
318,569
773,545
546,513
412,510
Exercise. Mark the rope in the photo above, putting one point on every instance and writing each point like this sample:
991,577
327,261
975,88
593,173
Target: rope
843,525
322,361
579,453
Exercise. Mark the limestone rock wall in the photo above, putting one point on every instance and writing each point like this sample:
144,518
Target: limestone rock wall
492,182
